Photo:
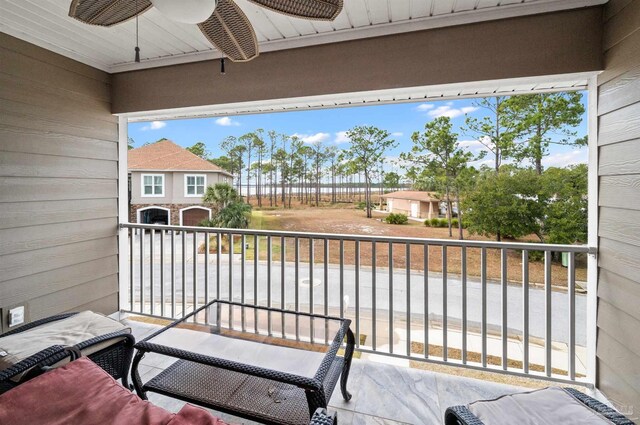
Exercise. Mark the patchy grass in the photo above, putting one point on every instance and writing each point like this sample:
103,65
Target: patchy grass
352,221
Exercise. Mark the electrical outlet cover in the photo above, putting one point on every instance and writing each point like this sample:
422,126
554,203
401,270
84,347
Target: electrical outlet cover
16,316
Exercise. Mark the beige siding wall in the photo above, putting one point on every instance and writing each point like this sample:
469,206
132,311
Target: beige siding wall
404,206
619,201
58,184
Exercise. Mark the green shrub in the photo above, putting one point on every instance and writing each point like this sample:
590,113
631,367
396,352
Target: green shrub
427,223
454,222
536,255
435,222
394,218
362,205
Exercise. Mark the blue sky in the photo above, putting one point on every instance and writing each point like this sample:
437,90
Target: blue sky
329,125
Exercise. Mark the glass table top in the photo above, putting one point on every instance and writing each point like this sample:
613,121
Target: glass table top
272,339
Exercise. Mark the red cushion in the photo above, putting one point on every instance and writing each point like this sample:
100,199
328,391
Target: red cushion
82,393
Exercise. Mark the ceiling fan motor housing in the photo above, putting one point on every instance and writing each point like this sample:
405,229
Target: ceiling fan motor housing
186,11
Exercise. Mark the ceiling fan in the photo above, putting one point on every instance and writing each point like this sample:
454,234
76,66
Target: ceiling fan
221,21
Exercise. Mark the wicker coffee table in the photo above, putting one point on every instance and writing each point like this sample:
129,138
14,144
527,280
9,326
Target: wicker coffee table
265,364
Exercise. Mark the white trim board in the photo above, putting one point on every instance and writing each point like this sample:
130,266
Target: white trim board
512,86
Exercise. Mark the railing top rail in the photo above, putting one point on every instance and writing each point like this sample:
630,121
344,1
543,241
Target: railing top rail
374,238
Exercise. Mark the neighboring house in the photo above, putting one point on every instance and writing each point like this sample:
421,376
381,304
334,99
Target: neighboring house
413,203
167,183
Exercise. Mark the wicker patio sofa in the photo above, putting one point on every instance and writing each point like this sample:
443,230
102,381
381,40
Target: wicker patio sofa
463,415
82,393
111,351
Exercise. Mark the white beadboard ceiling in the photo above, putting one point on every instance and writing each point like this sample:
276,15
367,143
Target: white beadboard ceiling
163,42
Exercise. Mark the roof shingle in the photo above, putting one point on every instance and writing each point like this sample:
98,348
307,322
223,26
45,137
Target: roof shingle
167,156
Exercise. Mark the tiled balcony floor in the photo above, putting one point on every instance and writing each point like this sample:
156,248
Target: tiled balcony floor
383,393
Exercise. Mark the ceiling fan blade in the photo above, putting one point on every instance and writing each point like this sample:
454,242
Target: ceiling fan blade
323,10
229,30
107,12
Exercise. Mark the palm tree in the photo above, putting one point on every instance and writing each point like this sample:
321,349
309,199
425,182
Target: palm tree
236,215
220,196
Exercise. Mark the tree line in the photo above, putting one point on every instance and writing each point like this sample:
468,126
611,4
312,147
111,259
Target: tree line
511,195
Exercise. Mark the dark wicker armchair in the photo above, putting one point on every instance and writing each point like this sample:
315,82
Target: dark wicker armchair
114,359
322,417
40,362
461,415
35,365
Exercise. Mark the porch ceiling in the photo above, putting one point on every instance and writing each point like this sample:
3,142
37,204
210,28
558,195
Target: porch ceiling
164,42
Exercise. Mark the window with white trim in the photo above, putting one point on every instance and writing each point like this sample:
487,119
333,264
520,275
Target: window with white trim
152,185
194,184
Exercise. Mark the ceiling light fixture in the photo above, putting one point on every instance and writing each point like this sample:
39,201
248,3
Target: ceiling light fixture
186,11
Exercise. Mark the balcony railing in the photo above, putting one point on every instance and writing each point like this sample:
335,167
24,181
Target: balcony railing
504,307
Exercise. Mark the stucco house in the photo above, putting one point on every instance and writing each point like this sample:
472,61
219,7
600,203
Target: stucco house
166,184
413,203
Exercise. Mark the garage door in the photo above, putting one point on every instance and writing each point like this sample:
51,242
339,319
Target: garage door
194,216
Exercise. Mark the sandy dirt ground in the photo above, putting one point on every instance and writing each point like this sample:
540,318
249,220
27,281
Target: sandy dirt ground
353,221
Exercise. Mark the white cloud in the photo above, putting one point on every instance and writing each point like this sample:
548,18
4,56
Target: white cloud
425,106
449,111
341,137
478,164
473,146
397,134
563,159
154,125
313,138
227,122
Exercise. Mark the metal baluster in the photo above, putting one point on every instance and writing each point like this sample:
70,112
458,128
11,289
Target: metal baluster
426,300
131,266
218,271
311,261
547,311
504,288
152,234
463,265
162,235
195,273
326,290
269,258
283,258
243,253
445,314
571,287
357,300
142,242
231,249
184,273
408,260
256,258
206,275
297,283
374,307
341,278
390,297
173,275
483,284
525,311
